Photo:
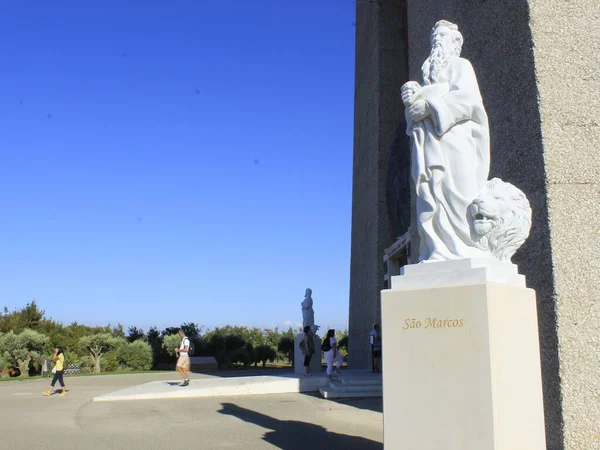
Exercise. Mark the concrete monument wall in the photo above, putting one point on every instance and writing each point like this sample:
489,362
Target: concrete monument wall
380,63
566,49
537,67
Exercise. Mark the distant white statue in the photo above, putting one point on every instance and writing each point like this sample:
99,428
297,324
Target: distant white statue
500,219
450,147
308,314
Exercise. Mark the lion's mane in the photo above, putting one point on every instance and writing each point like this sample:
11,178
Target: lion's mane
511,215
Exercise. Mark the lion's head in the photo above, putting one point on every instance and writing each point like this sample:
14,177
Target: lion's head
500,219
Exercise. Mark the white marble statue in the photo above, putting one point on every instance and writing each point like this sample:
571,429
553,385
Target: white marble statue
500,219
450,151
308,314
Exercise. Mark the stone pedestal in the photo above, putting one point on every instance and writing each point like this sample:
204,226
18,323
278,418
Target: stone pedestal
462,362
315,362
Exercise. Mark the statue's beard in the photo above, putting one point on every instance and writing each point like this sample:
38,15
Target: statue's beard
438,59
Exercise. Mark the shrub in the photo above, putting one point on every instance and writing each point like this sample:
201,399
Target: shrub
86,363
170,343
110,363
135,356
265,353
4,366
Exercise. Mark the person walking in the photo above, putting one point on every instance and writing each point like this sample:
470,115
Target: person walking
183,361
331,353
59,371
375,338
307,345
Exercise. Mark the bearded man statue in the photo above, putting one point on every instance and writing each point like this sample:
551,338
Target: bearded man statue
450,147
308,314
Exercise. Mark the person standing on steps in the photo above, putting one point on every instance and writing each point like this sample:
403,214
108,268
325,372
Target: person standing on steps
307,345
183,361
59,371
331,353
375,338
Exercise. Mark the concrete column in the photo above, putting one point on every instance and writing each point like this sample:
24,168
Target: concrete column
566,46
381,68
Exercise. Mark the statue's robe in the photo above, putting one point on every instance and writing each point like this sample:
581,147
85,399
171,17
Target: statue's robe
450,161
308,314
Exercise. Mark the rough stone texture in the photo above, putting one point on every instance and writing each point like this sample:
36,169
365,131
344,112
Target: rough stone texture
380,62
567,58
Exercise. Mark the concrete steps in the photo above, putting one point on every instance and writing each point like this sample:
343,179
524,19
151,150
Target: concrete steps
353,385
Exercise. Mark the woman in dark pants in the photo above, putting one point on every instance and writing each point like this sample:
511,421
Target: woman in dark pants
59,361
308,348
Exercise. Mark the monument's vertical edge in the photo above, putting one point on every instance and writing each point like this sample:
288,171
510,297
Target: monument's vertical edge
567,57
380,69
363,270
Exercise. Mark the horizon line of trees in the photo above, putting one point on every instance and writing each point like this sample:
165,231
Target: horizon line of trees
27,338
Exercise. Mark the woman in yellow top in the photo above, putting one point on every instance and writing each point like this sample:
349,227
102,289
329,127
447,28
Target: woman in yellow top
59,358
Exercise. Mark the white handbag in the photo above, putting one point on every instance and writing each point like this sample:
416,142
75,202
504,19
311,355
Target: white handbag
54,369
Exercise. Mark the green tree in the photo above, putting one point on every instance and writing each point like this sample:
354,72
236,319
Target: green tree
289,333
225,343
272,337
29,317
117,331
265,353
155,340
136,355
251,351
240,355
192,330
256,336
19,350
286,347
170,331
342,340
98,345
135,334
246,334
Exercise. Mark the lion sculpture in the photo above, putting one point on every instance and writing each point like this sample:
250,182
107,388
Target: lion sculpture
500,219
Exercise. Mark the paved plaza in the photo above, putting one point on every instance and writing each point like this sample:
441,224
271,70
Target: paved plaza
285,421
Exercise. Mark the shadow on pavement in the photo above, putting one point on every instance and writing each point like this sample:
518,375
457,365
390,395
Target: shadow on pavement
365,403
253,372
296,435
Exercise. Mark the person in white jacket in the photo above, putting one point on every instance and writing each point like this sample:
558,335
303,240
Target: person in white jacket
331,353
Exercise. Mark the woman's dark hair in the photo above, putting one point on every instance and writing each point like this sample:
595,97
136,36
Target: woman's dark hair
330,334
307,328
60,351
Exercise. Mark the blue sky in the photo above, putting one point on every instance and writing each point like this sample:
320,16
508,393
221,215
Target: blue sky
176,161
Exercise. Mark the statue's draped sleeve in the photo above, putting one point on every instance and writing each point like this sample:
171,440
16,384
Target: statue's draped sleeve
462,101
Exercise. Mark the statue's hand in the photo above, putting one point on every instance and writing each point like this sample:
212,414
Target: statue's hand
418,111
409,89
